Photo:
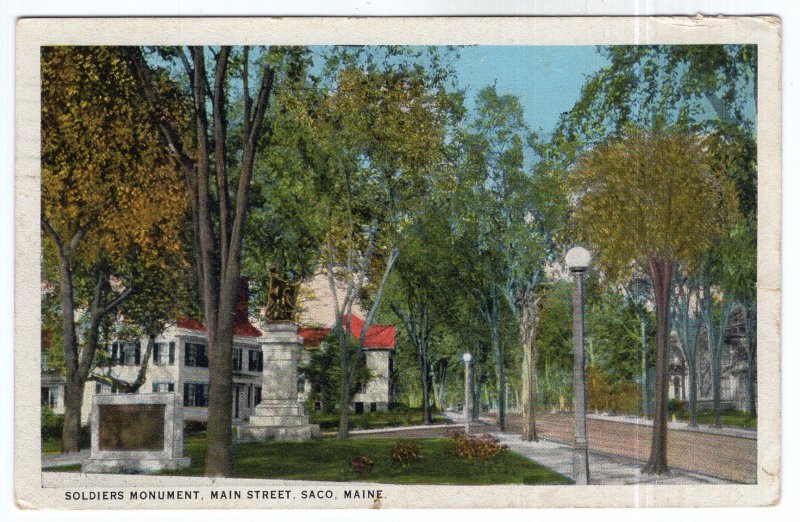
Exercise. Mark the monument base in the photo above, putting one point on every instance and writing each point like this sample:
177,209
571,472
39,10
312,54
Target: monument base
278,419
133,465
250,433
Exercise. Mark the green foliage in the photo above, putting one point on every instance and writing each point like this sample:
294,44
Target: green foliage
324,370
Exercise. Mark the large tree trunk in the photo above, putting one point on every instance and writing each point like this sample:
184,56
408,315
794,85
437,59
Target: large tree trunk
218,223
219,454
500,371
529,393
750,324
693,391
73,388
478,379
344,389
716,385
661,275
426,386
647,387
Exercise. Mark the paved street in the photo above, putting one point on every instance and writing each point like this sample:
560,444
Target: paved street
731,458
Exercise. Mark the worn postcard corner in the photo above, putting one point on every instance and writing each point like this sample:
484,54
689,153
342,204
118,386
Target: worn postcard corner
397,262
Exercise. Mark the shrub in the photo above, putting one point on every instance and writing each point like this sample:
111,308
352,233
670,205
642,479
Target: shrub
675,405
191,427
362,465
481,447
405,452
52,424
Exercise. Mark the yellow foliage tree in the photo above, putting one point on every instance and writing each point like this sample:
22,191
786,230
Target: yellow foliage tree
113,203
650,199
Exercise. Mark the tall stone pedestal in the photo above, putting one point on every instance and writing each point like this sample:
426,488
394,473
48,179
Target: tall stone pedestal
279,416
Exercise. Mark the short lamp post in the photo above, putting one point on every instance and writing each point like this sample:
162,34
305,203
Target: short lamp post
578,259
467,394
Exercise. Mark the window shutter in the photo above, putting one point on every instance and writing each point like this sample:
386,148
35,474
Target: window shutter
172,353
261,361
170,386
114,352
157,353
137,353
187,347
155,387
186,393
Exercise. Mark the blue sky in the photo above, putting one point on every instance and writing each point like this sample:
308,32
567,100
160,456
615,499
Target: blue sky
546,79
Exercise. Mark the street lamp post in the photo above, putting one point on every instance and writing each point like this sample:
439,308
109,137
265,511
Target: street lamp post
467,394
578,259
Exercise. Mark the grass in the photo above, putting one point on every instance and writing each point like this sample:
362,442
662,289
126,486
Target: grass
329,460
50,446
65,468
401,416
739,419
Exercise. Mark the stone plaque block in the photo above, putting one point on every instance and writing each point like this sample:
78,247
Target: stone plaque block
131,427
135,433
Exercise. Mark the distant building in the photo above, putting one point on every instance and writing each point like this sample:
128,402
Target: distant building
734,376
379,345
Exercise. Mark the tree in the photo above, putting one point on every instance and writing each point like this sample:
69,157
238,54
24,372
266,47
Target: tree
638,294
650,198
687,320
505,244
286,221
112,203
324,370
380,131
420,293
217,161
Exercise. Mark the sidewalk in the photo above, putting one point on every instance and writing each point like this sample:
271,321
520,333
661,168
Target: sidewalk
730,431
603,468
64,459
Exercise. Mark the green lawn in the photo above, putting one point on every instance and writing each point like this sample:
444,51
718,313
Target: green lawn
401,416
329,460
737,419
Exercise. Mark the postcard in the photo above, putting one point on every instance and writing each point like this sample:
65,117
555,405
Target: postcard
498,262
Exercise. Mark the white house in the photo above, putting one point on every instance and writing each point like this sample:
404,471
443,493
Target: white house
379,345
179,363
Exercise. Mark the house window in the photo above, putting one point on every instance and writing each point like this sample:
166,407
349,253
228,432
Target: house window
373,406
163,387
256,361
102,388
126,353
237,359
195,394
196,354
164,354
50,396
257,393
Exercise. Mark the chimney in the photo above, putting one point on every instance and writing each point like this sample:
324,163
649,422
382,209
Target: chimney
242,300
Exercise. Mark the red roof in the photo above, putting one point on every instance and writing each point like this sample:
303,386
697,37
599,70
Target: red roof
241,321
312,337
379,336
243,328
